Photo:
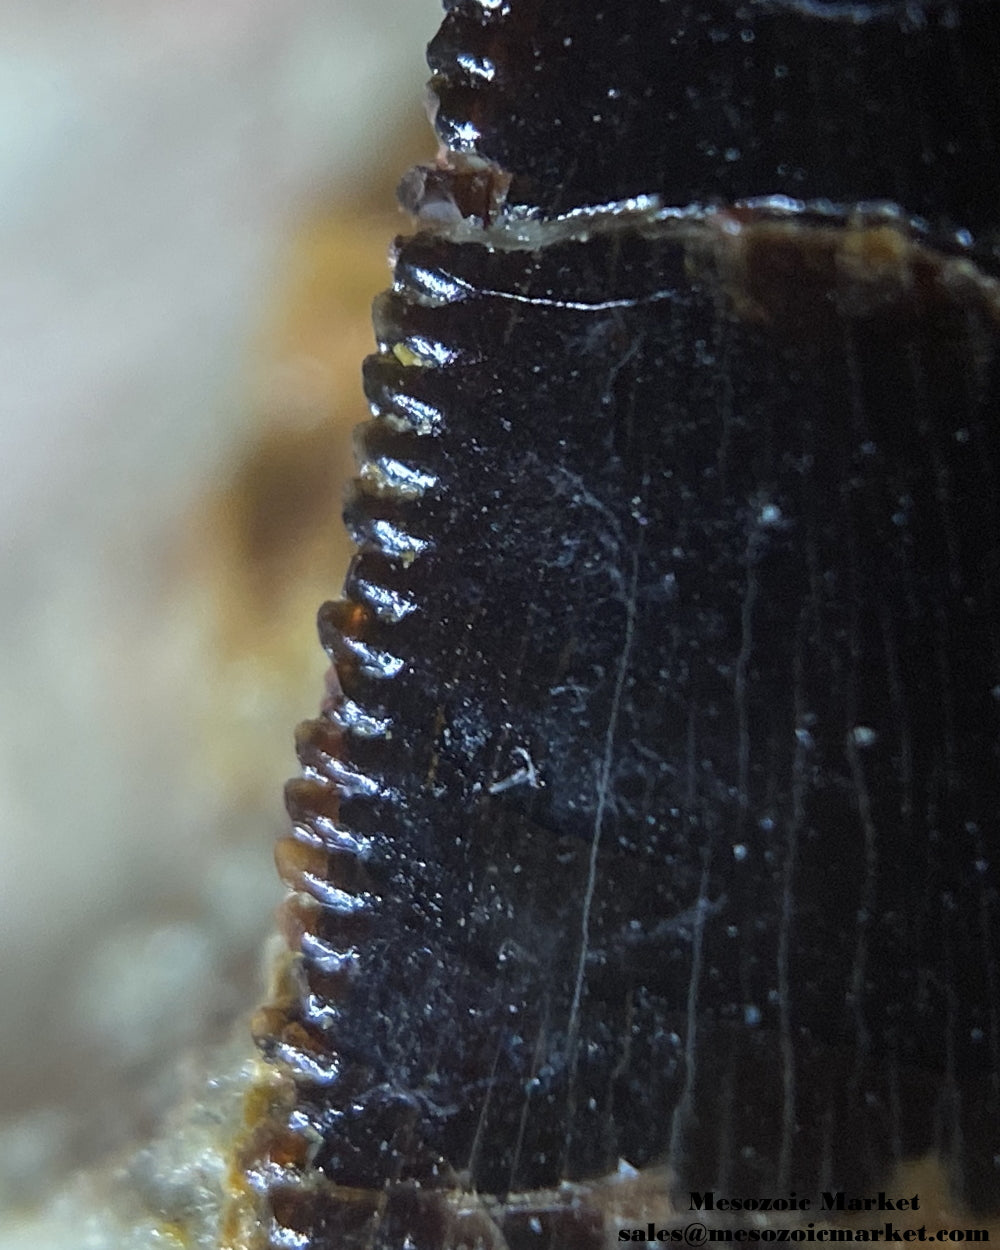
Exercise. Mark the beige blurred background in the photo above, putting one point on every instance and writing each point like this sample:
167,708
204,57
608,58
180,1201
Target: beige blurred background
195,210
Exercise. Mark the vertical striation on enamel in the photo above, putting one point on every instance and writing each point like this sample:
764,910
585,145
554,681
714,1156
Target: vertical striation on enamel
652,816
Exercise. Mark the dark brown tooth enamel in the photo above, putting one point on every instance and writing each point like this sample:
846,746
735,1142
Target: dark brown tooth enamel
715,102
648,839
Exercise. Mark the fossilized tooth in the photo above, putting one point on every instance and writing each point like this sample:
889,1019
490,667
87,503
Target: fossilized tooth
647,839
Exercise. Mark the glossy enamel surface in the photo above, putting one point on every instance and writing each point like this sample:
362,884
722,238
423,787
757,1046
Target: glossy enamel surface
717,101
651,821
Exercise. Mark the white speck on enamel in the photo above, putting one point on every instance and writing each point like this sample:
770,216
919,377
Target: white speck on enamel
477,66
